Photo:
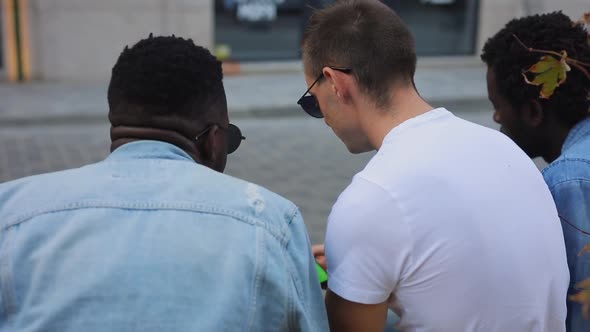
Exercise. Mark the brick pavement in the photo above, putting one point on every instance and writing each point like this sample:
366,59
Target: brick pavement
297,157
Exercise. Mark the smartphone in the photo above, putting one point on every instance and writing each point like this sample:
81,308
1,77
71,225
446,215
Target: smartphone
322,275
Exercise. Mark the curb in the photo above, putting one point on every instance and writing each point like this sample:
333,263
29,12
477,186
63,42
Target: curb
279,111
235,68
250,113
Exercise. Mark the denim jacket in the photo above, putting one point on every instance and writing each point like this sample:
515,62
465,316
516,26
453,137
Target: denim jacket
568,178
149,240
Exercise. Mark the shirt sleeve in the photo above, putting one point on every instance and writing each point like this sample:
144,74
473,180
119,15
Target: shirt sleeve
368,243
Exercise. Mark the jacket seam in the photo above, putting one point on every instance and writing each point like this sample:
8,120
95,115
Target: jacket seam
561,161
257,278
146,206
555,185
6,286
297,286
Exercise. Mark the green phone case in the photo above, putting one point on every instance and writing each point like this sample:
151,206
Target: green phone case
322,274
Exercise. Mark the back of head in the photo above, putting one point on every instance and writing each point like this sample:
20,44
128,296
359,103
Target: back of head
552,32
164,78
365,36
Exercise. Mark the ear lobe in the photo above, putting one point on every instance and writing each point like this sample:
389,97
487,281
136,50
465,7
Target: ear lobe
336,92
533,113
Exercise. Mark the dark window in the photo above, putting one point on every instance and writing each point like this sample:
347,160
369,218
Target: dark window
262,30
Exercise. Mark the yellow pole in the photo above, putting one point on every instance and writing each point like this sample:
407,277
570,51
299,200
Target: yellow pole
15,28
9,47
25,42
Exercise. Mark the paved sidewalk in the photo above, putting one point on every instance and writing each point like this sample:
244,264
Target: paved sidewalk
250,94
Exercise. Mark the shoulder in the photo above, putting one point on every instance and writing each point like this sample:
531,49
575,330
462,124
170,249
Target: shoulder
33,194
567,169
146,185
365,208
36,186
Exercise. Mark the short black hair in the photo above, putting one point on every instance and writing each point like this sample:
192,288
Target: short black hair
165,76
365,36
508,59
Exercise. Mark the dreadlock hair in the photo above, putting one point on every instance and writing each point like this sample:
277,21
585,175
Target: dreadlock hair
164,76
508,59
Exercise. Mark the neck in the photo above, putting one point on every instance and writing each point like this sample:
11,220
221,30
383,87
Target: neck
121,135
406,104
553,143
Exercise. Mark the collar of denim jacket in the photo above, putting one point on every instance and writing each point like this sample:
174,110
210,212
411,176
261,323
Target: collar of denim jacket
149,149
579,131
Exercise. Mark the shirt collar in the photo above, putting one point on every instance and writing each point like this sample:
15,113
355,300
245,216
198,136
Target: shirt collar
580,130
416,121
146,149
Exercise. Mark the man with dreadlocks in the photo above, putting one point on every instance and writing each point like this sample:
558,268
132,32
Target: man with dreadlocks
555,127
155,238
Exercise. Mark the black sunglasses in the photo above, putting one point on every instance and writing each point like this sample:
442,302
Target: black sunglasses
234,136
310,103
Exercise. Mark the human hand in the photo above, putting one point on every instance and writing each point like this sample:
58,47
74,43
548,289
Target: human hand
319,253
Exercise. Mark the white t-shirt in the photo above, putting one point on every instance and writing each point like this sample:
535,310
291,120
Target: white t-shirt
453,224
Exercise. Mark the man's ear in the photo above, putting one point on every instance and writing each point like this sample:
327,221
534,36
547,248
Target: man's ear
340,82
532,113
208,146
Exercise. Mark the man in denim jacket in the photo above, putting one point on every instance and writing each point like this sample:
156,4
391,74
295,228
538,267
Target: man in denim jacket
155,237
555,126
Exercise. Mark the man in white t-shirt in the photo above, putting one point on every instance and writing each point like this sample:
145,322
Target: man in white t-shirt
450,224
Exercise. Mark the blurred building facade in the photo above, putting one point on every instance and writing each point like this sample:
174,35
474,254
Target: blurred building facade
81,39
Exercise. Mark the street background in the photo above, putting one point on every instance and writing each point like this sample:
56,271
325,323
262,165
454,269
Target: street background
48,126
56,56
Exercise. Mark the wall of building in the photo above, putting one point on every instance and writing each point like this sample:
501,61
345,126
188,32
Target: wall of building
494,14
81,39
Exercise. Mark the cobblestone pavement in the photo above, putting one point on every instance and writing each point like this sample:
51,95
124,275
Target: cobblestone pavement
297,157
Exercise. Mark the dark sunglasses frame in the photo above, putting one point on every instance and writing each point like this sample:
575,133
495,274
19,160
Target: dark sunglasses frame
234,136
310,103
